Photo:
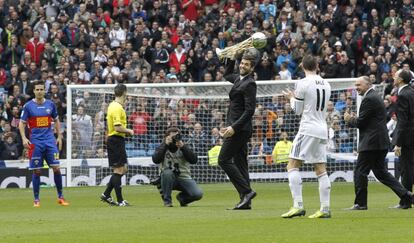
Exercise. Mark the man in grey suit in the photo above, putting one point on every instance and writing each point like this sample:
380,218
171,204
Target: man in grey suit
404,132
373,146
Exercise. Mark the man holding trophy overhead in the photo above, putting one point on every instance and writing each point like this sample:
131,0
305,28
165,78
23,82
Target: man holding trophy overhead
233,154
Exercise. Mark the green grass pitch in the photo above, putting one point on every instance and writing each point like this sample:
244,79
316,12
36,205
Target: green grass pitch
89,220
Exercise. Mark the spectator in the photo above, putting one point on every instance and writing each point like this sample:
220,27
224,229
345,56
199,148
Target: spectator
189,8
282,148
11,79
7,34
341,103
82,127
391,125
265,70
82,16
139,62
49,56
333,132
117,35
3,77
83,75
284,72
392,21
14,118
13,53
42,27
283,22
285,57
36,46
267,9
139,120
183,75
331,112
198,140
160,57
178,56
345,66
110,70
9,148
330,69
71,35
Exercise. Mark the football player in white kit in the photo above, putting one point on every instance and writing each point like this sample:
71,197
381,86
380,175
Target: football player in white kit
310,100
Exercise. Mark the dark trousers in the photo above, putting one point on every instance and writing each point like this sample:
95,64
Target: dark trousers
233,160
189,190
407,167
375,161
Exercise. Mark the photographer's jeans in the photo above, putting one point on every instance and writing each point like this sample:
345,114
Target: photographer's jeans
189,190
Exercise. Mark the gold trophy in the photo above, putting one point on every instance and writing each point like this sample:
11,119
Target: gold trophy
257,40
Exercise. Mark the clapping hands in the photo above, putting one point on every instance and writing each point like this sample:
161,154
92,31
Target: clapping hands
288,94
349,116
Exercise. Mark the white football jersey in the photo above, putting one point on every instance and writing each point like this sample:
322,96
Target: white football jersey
315,94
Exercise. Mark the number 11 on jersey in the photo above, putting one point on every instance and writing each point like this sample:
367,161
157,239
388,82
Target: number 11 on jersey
320,103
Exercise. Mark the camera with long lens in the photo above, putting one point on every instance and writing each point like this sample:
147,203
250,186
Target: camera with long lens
176,138
156,181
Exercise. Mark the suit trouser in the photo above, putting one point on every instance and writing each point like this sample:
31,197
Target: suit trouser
375,161
407,167
233,160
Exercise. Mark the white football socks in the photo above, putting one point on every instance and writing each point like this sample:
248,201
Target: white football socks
324,191
295,184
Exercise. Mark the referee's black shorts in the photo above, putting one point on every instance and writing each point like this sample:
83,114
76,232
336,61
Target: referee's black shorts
117,156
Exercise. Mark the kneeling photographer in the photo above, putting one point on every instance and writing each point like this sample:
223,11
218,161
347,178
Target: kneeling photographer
175,158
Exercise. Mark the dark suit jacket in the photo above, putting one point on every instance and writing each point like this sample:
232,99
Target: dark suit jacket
242,100
404,132
372,123
26,89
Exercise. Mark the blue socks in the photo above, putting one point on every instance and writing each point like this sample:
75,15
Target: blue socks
36,185
58,182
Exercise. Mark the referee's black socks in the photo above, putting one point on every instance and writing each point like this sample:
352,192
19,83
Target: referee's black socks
109,187
116,183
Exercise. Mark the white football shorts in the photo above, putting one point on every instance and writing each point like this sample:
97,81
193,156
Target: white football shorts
308,149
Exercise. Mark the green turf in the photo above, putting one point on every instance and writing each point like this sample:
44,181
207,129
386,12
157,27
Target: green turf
88,220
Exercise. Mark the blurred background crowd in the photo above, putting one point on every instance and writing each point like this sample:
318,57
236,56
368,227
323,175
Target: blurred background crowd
168,41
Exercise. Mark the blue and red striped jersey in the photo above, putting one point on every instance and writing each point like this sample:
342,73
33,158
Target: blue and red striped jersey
39,119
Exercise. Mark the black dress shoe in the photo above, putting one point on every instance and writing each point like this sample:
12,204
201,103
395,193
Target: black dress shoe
246,201
357,207
401,206
246,207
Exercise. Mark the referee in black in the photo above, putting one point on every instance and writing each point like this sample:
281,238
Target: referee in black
233,154
117,158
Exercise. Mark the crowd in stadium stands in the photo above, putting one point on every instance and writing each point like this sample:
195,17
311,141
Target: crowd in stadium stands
153,41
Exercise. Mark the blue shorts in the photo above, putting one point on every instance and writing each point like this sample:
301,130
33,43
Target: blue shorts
43,150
